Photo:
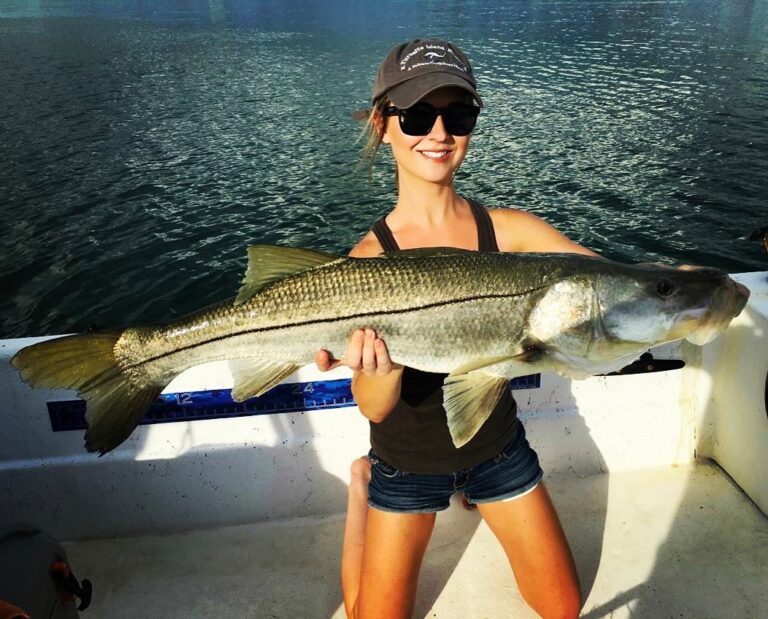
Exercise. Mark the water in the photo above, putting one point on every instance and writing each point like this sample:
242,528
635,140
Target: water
143,145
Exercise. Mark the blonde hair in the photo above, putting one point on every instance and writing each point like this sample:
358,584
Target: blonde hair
373,132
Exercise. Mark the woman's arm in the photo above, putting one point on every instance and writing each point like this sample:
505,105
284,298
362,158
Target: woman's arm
519,231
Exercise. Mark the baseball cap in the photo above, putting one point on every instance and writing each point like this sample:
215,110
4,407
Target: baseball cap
413,70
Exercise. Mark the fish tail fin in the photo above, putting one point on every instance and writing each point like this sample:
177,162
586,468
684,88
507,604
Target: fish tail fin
87,362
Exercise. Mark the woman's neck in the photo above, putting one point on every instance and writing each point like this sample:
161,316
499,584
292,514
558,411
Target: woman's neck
424,204
431,215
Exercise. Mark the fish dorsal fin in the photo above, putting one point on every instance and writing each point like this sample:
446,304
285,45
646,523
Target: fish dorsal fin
268,263
253,377
426,252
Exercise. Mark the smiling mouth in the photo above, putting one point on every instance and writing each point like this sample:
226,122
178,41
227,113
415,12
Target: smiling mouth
436,155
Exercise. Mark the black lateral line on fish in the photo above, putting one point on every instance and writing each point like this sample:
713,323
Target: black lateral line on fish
337,318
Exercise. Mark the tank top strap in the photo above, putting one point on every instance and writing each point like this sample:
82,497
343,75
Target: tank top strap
486,236
384,235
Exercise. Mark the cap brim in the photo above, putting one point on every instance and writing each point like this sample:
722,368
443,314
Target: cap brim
410,92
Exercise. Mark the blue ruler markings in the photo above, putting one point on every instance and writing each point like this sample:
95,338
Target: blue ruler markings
218,403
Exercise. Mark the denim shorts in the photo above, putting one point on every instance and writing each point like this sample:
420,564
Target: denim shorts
512,472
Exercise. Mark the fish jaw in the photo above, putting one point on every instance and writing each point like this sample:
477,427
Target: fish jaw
729,301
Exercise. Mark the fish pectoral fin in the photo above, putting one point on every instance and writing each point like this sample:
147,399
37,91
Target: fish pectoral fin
469,399
481,364
268,263
524,361
254,377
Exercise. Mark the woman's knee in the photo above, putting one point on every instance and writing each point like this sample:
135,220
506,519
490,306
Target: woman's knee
361,469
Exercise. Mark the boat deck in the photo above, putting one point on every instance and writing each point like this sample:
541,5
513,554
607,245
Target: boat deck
680,541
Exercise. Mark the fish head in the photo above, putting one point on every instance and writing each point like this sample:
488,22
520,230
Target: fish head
656,304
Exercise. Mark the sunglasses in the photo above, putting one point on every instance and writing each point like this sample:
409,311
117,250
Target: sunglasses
459,118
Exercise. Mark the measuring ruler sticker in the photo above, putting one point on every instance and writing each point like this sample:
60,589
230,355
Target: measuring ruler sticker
218,403
68,415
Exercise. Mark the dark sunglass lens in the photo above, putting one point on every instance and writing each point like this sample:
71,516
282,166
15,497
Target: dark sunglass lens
418,119
460,119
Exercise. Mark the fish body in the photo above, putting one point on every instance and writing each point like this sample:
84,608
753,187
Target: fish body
481,318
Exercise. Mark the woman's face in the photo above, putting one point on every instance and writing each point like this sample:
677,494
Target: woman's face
433,157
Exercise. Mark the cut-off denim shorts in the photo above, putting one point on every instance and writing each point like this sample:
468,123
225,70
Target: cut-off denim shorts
513,472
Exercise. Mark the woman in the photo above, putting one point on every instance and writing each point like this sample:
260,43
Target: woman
425,104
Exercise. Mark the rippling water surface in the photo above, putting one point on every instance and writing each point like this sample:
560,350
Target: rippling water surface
144,145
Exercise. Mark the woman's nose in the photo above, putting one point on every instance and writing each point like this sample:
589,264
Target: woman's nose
439,132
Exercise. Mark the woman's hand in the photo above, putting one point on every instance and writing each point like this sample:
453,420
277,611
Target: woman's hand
376,382
365,353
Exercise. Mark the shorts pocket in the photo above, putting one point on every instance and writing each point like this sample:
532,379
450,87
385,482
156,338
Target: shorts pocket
387,470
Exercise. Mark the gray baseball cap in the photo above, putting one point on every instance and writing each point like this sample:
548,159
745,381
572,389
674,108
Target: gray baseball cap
413,70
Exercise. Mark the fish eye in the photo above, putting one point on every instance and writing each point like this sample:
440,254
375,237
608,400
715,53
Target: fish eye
664,287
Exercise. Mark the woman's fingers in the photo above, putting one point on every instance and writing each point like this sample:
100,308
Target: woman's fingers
383,362
325,361
354,356
367,353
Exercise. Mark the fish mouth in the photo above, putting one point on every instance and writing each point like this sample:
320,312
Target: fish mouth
742,293
728,303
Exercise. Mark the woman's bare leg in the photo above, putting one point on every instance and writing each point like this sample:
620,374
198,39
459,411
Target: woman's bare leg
394,548
381,555
354,532
535,544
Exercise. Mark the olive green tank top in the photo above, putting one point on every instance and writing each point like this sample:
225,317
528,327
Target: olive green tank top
414,437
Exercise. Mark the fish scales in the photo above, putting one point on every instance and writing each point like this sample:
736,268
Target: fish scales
326,303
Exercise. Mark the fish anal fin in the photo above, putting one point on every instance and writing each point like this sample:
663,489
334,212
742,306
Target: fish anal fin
269,263
252,377
469,399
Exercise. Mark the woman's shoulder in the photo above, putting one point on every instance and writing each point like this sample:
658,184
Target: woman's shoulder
520,231
514,227
367,247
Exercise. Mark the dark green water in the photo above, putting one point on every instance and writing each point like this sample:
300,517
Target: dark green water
143,145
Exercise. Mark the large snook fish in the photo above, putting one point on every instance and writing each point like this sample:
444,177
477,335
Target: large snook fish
482,318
